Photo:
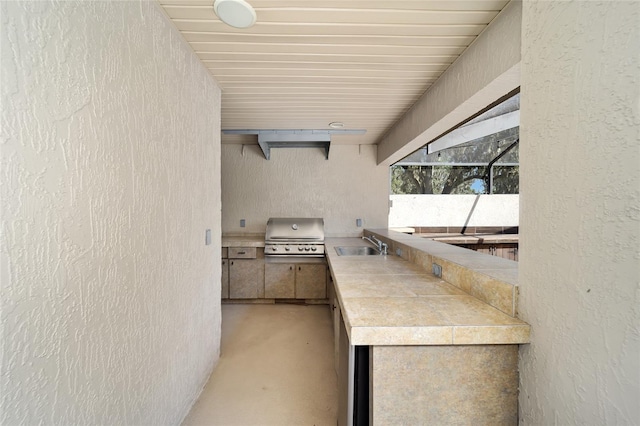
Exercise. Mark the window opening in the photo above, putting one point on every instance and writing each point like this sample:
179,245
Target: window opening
480,156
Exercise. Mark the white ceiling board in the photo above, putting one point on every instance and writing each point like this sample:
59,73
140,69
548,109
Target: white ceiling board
494,5
333,39
301,81
308,63
362,73
327,49
198,25
337,56
400,67
322,15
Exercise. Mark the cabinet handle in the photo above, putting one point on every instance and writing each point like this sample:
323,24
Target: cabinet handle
291,268
242,252
232,262
299,268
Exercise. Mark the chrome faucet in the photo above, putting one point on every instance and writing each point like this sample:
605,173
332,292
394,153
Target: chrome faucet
382,247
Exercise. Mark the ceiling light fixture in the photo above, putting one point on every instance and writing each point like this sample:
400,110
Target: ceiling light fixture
236,13
336,125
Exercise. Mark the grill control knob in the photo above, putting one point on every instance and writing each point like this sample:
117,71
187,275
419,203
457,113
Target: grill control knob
307,249
313,249
287,248
274,248
300,248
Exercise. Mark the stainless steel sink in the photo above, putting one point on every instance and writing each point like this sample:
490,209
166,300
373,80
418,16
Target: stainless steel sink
356,251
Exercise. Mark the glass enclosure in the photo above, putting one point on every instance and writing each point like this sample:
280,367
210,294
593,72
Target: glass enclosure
480,156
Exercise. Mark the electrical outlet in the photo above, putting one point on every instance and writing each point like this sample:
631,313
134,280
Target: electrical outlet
207,237
358,223
436,269
242,223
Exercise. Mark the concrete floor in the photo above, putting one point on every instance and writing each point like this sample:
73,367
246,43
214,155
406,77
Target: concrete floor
275,368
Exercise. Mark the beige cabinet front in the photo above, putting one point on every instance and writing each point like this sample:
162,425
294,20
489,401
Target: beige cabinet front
279,281
246,278
311,281
334,309
246,272
225,278
295,281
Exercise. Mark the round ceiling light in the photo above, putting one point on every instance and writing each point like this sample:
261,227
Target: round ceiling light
236,13
336,125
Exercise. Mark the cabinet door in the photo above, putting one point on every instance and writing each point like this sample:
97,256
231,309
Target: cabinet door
279,281
246,279
331,295
334,307
225,278
345,406
311,281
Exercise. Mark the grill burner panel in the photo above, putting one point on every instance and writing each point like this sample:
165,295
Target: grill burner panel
306,250
295,237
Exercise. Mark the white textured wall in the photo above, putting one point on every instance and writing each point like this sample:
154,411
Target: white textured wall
486,71
580,213
110,176
453,210
300,182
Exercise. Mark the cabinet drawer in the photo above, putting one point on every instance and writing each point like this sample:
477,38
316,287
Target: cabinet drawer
242,252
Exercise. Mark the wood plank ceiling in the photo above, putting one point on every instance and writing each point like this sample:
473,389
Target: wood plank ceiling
305,63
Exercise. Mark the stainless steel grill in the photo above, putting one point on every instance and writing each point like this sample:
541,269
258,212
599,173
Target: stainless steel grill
294,237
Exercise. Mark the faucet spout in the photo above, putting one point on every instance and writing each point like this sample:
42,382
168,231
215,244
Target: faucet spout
382,247
370,240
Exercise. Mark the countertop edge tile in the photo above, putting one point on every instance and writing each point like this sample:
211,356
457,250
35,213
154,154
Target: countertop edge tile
496,335
401,336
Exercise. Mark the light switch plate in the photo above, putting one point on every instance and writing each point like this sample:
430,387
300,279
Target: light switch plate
207,237
358,223
242,223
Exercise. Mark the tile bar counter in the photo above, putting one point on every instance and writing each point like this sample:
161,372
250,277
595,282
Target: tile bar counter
387,300
441,351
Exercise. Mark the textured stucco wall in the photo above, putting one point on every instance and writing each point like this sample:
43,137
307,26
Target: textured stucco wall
580,213
486,71
300,182
454,210
110,176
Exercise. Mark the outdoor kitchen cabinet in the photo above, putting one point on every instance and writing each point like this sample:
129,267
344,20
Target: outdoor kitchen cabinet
246,273
311,281
334,310
295,281
225,273
279,281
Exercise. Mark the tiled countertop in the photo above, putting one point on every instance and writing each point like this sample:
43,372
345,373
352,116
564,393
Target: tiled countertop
387,300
